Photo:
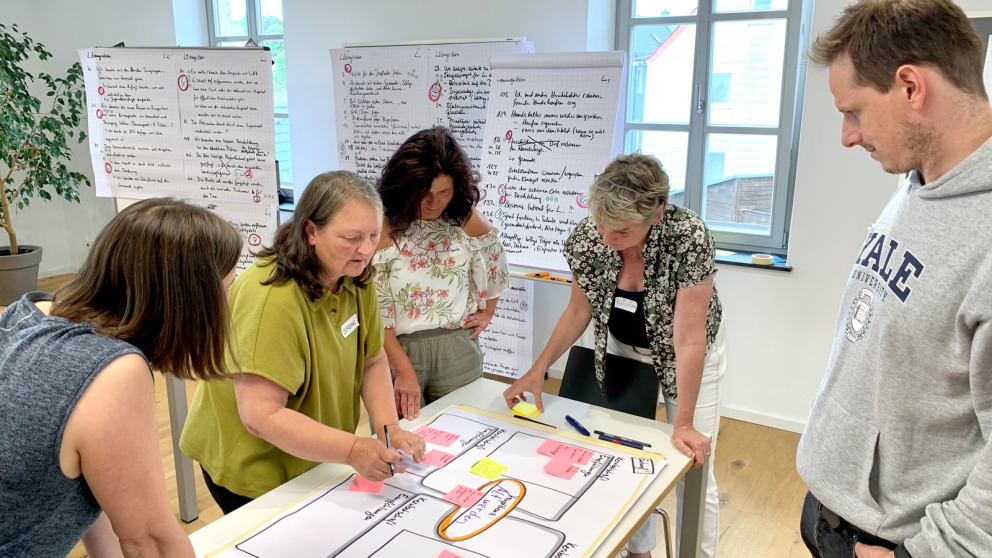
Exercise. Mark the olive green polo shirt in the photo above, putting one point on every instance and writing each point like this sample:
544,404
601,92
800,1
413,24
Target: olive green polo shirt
315,350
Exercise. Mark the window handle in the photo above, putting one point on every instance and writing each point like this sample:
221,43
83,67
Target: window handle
700,103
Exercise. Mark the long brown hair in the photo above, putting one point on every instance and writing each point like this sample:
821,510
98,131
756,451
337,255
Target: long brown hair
882,35
154,278
294,258
409,173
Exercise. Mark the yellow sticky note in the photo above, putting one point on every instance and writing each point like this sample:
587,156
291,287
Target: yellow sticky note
526,409
488,468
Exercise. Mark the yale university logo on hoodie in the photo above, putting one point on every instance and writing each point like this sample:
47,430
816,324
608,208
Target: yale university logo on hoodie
883,268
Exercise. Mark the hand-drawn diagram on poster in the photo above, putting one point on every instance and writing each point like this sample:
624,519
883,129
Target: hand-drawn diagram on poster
383,94
526,511
189,123
508,341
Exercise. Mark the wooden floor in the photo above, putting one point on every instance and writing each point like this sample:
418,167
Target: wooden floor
760,491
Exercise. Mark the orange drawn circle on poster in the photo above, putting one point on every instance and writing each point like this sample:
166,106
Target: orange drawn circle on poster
442,529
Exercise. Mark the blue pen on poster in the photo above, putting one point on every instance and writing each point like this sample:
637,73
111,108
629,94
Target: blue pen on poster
385,430
575,424
606,438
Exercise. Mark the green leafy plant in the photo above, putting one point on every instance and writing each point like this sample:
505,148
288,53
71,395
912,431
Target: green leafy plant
34,146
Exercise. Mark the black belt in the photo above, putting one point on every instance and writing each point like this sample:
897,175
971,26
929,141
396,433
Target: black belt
837,522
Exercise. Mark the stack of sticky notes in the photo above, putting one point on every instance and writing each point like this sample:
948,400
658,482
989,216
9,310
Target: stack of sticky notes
566,460
526,409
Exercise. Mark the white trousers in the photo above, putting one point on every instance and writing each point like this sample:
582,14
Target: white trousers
707,421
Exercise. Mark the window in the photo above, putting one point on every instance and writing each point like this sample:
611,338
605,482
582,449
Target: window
232,24
714,94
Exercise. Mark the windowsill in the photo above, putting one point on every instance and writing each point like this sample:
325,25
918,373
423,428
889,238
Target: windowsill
743,259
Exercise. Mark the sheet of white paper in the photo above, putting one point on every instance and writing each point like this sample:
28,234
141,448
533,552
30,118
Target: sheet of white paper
409,517
190,123
383,94
508,341
549,131
255,223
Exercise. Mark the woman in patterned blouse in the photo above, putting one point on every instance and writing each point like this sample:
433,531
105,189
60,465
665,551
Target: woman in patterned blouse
440,269
643,272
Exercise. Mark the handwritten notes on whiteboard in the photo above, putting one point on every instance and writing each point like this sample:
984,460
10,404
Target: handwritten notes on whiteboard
189,123
507,342
551,126
382,95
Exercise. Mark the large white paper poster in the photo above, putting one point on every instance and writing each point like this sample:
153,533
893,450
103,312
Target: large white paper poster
383,94
255,223
551,127
189,123
508,341
525,511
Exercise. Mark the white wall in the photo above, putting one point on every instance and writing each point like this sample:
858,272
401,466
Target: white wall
60,227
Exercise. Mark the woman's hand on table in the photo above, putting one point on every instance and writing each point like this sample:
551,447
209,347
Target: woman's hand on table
406,389
531,382
371,458
412,444
692,443
478,321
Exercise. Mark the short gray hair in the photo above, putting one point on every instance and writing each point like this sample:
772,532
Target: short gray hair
630,189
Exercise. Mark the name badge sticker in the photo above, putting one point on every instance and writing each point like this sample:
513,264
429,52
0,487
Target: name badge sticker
625,304
349,326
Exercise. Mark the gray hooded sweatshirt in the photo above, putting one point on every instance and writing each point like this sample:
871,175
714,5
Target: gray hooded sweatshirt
897,441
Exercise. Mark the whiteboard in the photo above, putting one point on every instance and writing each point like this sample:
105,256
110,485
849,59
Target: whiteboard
552,125
383,94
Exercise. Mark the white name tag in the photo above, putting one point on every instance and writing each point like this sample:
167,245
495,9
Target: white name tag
349,326
625,304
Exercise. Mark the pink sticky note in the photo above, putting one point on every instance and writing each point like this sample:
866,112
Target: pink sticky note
463,496
448,554
438,458
362,484
436,437
561,467
554,448
549,447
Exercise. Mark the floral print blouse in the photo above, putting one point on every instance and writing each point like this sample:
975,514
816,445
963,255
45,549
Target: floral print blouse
434,276
678,254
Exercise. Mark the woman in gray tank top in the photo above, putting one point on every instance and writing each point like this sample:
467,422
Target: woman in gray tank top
79,450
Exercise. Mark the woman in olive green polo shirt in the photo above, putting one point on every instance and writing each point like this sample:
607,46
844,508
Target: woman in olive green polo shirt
308,338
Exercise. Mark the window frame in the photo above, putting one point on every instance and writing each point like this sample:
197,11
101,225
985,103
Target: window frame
797,17
253,23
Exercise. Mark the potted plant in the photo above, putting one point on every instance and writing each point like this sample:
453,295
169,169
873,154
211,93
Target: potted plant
34,149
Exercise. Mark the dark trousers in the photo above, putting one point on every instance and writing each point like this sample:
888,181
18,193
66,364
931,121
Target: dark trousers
227,500
828,541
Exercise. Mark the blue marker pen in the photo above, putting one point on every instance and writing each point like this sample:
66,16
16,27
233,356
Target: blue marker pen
606,438
575,424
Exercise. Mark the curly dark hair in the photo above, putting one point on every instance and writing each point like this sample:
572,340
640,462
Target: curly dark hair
408,175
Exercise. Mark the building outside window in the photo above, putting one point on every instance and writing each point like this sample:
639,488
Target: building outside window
233,23
714,94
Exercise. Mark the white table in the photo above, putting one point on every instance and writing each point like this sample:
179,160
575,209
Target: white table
487,394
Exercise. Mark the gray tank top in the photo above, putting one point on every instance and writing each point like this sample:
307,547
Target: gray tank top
46,364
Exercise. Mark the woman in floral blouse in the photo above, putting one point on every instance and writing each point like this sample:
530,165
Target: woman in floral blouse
440,269
643,271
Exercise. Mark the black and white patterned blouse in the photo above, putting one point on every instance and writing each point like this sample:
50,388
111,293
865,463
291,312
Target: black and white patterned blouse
678,254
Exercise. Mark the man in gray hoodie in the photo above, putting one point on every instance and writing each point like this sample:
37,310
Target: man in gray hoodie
896,452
